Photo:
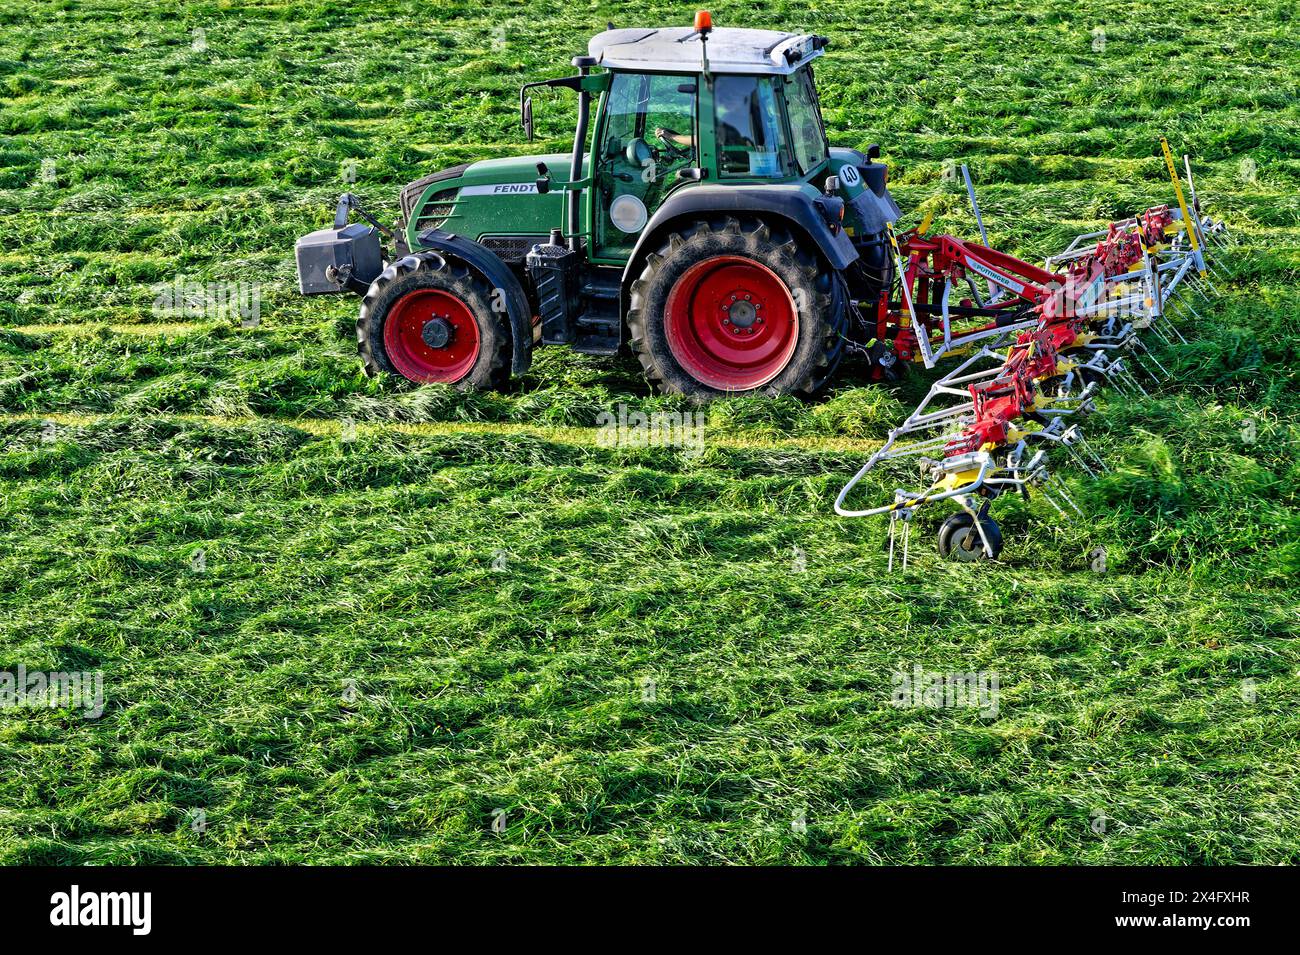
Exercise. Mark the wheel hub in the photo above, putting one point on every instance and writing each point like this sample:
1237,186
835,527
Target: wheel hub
966,544
742,313
437,332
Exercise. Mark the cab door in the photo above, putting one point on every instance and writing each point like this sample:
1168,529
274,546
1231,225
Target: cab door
649,132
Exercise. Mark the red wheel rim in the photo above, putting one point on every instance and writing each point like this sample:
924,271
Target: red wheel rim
430,336
731,323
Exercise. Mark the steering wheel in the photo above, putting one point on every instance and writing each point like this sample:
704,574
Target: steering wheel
664,134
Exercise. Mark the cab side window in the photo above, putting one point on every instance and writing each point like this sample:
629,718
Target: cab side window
651,124
621,113
805,121
751,136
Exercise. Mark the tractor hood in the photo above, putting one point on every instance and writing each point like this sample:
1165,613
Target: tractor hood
513,170
494,201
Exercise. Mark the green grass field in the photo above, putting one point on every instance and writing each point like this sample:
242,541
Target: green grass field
333,643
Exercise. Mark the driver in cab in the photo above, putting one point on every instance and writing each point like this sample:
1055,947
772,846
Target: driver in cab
666,135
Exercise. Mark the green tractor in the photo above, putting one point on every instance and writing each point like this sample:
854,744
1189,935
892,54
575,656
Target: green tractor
704,221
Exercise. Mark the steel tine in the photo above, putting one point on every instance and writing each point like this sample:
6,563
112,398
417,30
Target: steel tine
1165,375
1085,446
1164,372
1173,328
1065,495
1052,501
1143,347
1177,333
979,526
893,521
1159,334
1078,458
1146,371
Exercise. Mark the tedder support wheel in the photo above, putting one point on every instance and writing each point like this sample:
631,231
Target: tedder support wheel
736,306
430,319
959,540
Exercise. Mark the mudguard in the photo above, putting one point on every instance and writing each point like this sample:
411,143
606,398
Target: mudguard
794,203
488,264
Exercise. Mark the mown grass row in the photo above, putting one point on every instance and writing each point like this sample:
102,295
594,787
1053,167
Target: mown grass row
1240,351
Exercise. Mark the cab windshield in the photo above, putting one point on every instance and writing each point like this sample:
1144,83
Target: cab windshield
806,130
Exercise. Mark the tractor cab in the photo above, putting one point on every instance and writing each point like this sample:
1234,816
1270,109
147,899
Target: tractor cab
683,106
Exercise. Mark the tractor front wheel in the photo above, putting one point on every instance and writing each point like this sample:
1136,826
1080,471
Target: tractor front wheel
429,319
736,306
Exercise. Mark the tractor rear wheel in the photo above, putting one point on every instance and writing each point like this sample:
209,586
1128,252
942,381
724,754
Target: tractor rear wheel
734,306
429,319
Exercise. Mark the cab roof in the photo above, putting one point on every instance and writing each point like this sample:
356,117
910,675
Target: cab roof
730,50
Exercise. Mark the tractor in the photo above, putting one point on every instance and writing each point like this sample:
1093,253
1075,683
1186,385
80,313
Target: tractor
702,219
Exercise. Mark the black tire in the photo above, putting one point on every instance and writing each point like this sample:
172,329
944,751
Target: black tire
958,539
430,271
821,325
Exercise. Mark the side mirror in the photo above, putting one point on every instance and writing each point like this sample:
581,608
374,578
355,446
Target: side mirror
873,151
526,117
543,178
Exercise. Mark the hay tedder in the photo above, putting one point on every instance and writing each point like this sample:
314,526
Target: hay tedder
1036,345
